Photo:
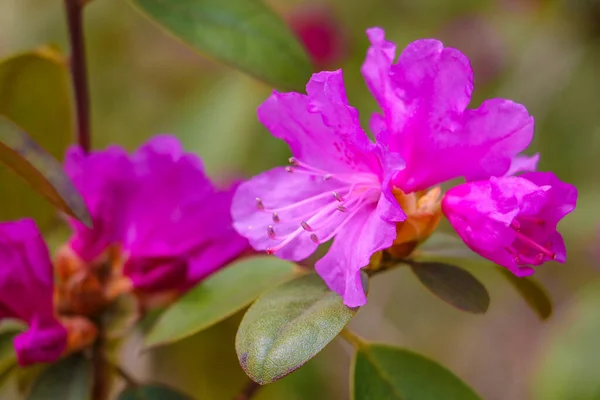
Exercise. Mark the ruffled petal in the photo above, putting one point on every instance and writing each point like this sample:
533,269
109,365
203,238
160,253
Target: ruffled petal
351,250
321,128
106,182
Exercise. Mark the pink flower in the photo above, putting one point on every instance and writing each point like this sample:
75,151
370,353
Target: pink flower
337,187
512,220
26,290
424,98
322,35
171,223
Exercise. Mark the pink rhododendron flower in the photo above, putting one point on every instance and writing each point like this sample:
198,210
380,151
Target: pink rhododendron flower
26,290
337,187
424,98
172,224
512,220
320,33
340,184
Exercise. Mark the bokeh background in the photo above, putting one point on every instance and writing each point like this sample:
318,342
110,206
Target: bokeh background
544,54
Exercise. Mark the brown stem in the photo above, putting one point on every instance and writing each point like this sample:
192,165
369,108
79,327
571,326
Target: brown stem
248,391
74,9
101,383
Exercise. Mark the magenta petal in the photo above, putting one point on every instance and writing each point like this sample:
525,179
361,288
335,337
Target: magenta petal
26,292
321,128
41,343
105,180
26,280
177,215
512,220
351,250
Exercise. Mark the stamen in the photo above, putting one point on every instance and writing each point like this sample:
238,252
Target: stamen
276,217
314,238
259,203
337,196
306,226
271,232
293,161
534,245
289,169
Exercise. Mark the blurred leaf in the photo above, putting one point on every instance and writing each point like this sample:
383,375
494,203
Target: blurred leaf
68,379
40,170
532,292
444,245
245,34
218,297
386,373
287,326
151,392
8,358
454,285
34,94
568,366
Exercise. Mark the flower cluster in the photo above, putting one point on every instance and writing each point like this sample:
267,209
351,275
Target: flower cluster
159,227
370,196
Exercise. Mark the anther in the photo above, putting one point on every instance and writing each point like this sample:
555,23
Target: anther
337,196
342,208
289,169
270,250
306,226
314,238
276,217
259,203
327,177
271,232
293,161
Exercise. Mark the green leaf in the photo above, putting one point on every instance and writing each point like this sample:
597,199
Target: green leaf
68,379
532,292
151,392
245,34
218,297
34,94
40,170
289,325
387,373
453,285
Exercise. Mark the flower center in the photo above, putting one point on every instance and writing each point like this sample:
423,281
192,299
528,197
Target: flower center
328,211
525,249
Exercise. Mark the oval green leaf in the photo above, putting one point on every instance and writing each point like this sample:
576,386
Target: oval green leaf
151,392
245,34
532,292
387,373
40,170
35,95
454,285
68,379
289,325
218,297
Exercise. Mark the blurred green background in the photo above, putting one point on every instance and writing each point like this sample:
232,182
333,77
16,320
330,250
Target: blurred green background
544,54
